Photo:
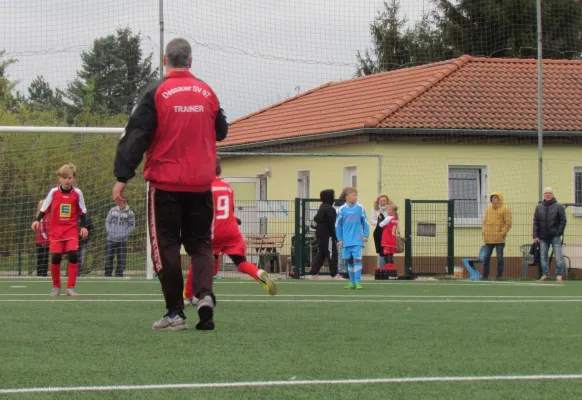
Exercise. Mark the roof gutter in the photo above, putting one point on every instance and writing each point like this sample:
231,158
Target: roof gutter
398,131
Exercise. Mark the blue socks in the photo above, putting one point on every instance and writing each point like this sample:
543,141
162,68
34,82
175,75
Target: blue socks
357,271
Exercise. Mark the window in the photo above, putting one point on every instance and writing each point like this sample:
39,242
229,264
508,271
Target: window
303,184
577,211
468,187
351,177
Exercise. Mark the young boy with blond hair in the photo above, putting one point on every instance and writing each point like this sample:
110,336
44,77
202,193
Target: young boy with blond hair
66,204
352,231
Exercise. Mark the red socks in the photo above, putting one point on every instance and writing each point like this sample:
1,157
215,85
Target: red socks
188,289
249,268
72,275
56,275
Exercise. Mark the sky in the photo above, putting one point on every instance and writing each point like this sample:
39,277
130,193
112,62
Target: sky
253,53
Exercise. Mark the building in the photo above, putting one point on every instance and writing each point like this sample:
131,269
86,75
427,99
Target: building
457,129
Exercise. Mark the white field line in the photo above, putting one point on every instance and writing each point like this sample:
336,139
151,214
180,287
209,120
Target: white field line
219,385
274,300
346,296
323,282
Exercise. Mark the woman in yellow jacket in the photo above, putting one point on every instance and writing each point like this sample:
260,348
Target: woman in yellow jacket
496,224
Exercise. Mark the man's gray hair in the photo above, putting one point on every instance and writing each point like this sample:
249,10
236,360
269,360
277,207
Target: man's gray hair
178,53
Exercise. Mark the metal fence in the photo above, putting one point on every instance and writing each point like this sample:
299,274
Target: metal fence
438,240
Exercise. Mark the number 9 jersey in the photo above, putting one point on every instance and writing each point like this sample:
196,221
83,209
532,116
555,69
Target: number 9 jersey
225,230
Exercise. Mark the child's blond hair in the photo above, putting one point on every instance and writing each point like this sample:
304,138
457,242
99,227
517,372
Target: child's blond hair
394,208
350,189
67,169
377,201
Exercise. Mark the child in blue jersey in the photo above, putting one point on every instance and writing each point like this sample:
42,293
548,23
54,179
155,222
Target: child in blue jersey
352,232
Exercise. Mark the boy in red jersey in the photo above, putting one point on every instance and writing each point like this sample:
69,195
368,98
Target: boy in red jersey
227,238
389,233
66,204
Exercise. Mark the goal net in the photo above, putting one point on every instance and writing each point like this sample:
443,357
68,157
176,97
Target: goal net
29,162
450,87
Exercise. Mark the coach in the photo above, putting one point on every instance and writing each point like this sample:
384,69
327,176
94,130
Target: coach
177,123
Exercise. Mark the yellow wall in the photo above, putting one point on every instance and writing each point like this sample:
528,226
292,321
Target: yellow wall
420,171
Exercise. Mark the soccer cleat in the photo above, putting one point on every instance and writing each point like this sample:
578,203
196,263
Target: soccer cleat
338,277
559,279
350,286
206,313
170,324
217,278
55,292
545,278
311,277
358,286
71,292
266,282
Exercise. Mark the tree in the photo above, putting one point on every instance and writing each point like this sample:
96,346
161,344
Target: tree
112,75
486,28
40,92
396,45
508,28
6,85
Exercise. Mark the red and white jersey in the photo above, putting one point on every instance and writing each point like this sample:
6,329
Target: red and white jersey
226,230
65,207
389,231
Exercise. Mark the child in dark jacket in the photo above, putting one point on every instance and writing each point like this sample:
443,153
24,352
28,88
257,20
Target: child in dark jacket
325,233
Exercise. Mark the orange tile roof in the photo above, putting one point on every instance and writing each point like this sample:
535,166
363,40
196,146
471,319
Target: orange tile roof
464,93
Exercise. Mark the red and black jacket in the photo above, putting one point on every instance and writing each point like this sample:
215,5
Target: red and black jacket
177,123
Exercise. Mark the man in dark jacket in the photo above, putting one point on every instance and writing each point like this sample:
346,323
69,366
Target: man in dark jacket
325,234
548,227
177,123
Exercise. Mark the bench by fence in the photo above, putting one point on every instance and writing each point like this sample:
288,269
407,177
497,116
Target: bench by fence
268,249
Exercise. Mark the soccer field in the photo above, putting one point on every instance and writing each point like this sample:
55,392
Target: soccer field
314,340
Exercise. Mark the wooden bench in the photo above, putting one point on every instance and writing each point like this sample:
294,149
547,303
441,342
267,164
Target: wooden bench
267,247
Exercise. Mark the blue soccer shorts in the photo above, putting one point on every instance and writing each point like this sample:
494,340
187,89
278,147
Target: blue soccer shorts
352,251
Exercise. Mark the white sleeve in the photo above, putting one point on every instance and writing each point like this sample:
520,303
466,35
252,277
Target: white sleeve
374,217
49,199
81,201
386,221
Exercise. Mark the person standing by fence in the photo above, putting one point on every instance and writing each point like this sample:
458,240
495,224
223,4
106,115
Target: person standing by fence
119,224
496,225
549,224
42,244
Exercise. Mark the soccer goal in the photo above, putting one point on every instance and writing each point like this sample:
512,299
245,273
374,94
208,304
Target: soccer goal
29,159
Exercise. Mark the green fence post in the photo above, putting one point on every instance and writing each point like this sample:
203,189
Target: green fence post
451,236
408,236
303,236
298,245
19,240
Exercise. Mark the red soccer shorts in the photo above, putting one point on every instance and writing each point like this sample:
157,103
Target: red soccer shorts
389,249
235,249
64,246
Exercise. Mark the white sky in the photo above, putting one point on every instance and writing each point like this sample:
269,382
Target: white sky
252,52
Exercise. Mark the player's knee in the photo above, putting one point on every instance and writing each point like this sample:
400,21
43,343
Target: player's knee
73,256
56,258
